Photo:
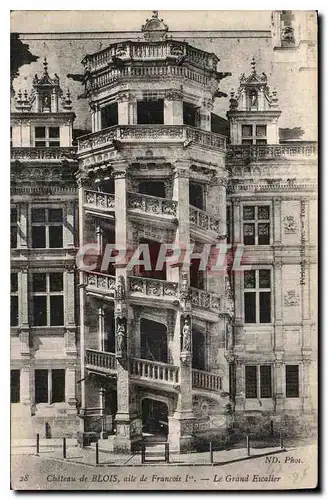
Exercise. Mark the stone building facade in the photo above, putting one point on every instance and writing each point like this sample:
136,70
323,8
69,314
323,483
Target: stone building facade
184,353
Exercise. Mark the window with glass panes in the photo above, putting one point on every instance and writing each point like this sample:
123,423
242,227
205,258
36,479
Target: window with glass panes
14,299
292,381
257,296
46,137
258,381
254,134
48,299
47,227
256,224
13,227
50,386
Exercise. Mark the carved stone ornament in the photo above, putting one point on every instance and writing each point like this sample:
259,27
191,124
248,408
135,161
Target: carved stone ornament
120,337
291,299
120,289
186,335
290,224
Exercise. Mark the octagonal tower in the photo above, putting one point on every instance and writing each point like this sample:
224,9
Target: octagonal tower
152,172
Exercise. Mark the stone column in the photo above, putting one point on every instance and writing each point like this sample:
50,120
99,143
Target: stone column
205,115
123,109
27,385
23,321
127,429
69,298
278,312
22,236
173,108
69,227
181,423
240,386
101,328
279,375
70,384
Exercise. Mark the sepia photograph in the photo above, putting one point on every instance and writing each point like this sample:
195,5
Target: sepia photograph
163,248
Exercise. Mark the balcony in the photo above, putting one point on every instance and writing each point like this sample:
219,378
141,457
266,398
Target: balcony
99,283
203,220
273,151
41,154
144,51
201,299
98,202
154,371
206,380
140,287
152,205
100,361
160,134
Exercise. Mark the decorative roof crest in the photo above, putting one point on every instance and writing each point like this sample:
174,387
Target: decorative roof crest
155,29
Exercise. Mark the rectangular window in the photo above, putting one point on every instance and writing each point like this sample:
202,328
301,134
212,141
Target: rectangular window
292,381
257,296
48,299
254,134
265,381
41,386
256,225
150,112
47,227
14,313
109,115
14,386
13,227
58,386
251,382
258,382
47,137
190,115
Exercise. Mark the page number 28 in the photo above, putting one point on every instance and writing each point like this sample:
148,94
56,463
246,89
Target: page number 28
24,478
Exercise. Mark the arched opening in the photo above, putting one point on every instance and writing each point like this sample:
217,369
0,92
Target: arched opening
198,349
154,417
152,188
153,340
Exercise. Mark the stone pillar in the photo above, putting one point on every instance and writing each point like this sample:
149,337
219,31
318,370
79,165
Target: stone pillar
279,374
23,320
173,108
101,328
69,298
127,429
27,385
236,228
69,227
240,386
309,389
181,423
70,384
123,109
276,221
278,312
22,233
205,115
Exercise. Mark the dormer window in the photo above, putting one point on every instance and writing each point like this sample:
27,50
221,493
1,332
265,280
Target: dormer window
46,137
254,134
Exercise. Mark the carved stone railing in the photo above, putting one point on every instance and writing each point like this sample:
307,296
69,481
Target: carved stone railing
152,204
203,220
305,150
99,359
154,371
40,154
206,380
152,287
99,200
141,51
205,300
100,282
160,133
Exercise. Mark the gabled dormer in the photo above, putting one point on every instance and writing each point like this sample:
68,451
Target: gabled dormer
253,112
43,117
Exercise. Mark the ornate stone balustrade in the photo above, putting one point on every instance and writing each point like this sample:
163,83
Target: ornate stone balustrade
206,380
141,51
205,300
100,282
154,371
41,154
203,219
103,360
274,151
160,133
99,200
152,287
152,204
